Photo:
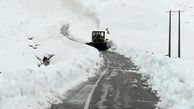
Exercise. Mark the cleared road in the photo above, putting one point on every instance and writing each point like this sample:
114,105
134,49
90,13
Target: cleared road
119,87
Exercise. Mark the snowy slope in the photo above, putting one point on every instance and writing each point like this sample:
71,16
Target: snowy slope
31,29
23,19
143,24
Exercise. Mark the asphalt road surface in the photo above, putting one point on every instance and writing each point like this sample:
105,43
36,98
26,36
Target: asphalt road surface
118,87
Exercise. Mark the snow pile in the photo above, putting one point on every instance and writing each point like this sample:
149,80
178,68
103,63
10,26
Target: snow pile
172,78
37,88
30,30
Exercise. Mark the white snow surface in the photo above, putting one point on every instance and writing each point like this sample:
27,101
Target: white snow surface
138,24
143,24
37,23
172,78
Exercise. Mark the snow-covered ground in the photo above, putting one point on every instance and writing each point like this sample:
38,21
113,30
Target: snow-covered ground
143,25
173,79
31,30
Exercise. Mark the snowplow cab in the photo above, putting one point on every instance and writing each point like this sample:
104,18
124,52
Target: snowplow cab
98,36
98,40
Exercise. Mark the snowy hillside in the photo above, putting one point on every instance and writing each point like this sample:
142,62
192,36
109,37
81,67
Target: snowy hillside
21,20
143,24
31,30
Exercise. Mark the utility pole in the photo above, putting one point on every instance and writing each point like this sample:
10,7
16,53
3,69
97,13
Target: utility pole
169,40
179,34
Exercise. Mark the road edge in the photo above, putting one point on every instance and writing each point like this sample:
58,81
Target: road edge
87,103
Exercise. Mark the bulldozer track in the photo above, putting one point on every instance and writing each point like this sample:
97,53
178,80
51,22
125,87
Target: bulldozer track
86,106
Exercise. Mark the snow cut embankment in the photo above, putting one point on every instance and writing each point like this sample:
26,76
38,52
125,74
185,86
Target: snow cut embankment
172,78
38,87
31,29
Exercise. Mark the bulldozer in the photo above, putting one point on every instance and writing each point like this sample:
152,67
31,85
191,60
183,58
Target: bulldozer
99,41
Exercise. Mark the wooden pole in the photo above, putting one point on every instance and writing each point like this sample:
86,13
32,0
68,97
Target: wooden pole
179,34
169,43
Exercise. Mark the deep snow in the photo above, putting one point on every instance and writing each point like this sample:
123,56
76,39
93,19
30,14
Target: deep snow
30,30
172,78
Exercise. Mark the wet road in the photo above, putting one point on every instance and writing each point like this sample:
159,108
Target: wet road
119,87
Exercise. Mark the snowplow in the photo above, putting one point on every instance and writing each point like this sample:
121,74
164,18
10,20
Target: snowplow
99,41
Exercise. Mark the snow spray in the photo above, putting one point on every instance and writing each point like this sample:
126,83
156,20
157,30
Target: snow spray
77,7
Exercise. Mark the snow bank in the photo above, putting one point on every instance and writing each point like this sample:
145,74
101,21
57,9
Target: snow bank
37,88
31,30
172,78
